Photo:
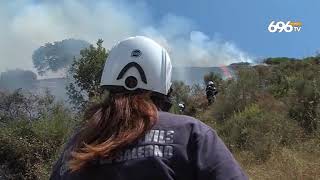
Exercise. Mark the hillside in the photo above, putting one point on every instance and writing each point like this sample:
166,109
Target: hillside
194,75
268,117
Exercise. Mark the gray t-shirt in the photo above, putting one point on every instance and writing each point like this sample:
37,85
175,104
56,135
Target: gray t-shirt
178,147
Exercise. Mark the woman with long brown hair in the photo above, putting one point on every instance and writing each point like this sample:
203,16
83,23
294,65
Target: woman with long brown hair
130,136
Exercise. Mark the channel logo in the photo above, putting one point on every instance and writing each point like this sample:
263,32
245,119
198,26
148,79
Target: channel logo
280,26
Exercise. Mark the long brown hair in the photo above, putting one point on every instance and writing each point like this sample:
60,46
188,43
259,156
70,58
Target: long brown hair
111,125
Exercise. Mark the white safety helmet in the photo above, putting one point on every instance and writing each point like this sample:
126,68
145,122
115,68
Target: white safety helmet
210,83
181,105
138,63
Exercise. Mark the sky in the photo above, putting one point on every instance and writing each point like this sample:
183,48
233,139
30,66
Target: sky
245,23
196,33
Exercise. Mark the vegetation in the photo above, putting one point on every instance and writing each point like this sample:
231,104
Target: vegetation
57,55
86,73
32,129
268,115
14,79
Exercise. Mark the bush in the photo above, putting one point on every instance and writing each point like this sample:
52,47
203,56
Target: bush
258,130
193,97
28,146
284,164
236,94
24,105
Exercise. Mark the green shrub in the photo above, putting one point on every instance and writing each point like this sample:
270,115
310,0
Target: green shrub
258,130
28,148
193,97
305,104
236,94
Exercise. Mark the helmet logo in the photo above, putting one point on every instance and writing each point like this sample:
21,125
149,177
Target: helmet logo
138,67
136,53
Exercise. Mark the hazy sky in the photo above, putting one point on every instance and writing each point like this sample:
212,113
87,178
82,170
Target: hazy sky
245,23
197,33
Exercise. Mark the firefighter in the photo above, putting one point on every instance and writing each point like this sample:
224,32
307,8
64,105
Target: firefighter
211,92
181,107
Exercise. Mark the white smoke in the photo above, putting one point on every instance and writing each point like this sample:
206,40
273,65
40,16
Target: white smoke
26,25
189,47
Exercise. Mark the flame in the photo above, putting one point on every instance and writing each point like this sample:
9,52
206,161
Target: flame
226,71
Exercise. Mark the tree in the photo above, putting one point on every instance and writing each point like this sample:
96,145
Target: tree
57,55
14,79
86,73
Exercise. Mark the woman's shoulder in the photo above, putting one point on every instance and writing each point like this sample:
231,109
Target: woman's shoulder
181,121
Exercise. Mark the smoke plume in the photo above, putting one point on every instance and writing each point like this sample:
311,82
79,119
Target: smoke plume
28,24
